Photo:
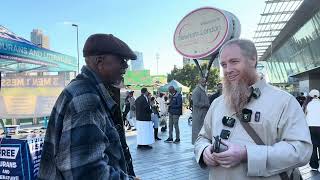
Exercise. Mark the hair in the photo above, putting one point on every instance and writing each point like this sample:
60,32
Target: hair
152,98
144,90
161,95
171,87
248,49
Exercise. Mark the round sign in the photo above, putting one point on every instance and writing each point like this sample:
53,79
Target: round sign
203,31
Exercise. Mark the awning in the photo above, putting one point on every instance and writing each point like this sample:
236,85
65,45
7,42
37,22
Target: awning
178,86
18,55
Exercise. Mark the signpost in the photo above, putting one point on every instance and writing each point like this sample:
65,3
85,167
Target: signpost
19,159
202,32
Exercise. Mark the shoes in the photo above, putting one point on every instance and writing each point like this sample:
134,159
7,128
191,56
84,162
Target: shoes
169,140
133,129
147,147
176,141
157,139
144,147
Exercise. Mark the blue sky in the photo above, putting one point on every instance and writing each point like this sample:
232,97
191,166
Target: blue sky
145,25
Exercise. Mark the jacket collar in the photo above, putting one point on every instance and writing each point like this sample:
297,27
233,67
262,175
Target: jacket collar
102,89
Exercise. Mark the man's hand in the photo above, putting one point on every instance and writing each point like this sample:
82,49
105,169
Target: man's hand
232,157
208,158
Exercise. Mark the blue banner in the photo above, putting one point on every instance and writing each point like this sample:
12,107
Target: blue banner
16,161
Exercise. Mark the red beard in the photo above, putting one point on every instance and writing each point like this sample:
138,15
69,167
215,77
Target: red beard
237,93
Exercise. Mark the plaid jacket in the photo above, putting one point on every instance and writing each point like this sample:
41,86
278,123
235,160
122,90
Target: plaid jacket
81,140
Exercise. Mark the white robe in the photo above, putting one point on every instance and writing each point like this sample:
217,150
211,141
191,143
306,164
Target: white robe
145,134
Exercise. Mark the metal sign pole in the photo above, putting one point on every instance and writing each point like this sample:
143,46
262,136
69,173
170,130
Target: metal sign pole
213,57
199,67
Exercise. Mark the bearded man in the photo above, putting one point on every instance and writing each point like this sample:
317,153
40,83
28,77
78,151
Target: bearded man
247,100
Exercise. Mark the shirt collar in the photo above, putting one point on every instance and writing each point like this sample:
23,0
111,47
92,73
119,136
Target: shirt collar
260,84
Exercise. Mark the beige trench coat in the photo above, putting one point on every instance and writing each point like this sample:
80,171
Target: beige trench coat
282,126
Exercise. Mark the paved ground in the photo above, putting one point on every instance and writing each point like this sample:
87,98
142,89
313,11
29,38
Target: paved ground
167,160
176,161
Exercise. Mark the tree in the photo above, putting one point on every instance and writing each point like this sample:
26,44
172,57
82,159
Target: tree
189,76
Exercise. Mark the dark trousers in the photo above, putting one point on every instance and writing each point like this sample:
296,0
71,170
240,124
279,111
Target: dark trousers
315,138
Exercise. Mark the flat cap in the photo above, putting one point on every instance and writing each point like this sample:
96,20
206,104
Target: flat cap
102,44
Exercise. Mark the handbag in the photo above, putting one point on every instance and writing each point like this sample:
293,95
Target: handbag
295,175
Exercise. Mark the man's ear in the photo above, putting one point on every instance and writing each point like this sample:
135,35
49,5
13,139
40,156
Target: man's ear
253,63
99,62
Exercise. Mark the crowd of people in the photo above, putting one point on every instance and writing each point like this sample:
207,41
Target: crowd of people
239,133
311,108
147,113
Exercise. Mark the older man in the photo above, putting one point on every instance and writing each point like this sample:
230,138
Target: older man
175,110
85,136
278,141
199,108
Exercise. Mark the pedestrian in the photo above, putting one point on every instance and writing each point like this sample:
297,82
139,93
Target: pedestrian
175,110
126,110
164,116
200,107
301,98
155,116
131,116
312,112
144,124
253,130
85,135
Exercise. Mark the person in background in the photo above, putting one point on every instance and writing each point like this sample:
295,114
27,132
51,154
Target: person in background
155,117
301,98
126,110
200,107
175,111
131,116
85,136
312,112
144,124
164,116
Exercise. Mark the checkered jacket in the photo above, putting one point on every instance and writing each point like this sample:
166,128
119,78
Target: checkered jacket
81,140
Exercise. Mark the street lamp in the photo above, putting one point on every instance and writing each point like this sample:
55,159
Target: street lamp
75,25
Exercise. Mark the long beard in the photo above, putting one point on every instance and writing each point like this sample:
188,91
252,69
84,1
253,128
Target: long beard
236,94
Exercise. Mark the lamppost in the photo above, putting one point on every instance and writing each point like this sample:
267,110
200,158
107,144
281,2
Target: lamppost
75,25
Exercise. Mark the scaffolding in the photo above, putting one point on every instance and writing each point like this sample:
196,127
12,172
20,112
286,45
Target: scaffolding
274,17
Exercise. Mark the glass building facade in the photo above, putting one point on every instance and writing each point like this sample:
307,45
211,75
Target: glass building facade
300,53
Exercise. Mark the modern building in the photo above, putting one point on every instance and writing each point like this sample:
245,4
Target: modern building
137,65
288,40
38,38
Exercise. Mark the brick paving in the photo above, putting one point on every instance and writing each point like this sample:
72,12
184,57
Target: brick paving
176,161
